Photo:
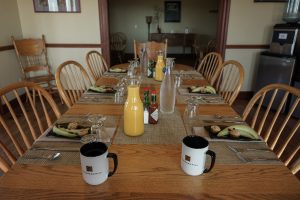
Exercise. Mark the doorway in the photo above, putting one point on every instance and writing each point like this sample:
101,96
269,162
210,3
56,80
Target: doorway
221,30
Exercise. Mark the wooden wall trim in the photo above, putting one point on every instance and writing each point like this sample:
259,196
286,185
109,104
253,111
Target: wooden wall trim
224,9
104,29
58,45
5,48
68,45
247,46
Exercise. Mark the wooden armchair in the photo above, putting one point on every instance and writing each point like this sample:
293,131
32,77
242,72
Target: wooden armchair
96,64
230,80
71,80
152,49
25,121
280,132
118,42
33,60
210,66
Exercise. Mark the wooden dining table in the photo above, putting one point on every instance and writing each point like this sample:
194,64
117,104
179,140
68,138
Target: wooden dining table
150,169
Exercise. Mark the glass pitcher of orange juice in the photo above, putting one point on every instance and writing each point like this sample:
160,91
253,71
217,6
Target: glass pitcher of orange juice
133,109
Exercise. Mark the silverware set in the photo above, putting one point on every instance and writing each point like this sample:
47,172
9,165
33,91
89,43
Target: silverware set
52,156
239,153
55,149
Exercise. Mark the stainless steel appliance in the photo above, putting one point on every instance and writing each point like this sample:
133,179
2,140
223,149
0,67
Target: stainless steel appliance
281,63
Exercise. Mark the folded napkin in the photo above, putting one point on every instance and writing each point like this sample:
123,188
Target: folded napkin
202,89
102,89
117,70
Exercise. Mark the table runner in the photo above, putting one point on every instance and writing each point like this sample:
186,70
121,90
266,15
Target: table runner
169,130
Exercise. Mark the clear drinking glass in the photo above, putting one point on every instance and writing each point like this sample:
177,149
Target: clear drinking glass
96,121
190,114
170,62
131,68
191,110
177,80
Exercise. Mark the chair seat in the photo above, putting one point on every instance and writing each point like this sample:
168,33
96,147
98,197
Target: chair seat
41,79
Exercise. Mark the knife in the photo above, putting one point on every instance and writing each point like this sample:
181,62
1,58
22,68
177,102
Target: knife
55,149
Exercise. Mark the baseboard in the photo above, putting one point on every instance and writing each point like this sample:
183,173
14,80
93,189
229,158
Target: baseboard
245,95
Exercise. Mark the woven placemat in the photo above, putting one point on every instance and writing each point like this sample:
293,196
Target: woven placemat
111,121
114,75
88,98
207,99
169,130
33,157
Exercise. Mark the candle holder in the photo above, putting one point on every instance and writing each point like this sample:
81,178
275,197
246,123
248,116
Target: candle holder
148,21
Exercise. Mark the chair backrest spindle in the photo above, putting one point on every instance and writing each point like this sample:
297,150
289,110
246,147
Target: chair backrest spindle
281,136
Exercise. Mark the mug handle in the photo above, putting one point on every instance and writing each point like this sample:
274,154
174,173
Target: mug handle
115,158
213,159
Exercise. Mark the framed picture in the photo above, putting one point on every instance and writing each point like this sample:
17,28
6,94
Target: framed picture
63,6
270,0
172,11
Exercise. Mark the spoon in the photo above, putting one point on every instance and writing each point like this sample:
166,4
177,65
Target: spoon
52,156
221,116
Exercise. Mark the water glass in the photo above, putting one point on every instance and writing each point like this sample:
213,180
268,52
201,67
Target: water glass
191,110
96,130
170,62
177,80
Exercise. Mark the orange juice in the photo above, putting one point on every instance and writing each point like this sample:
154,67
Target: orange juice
160,64
133,112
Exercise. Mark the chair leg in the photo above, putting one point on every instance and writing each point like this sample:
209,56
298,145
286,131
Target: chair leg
1,107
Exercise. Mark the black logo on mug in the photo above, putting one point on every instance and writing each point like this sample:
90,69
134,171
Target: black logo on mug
187,158
89,168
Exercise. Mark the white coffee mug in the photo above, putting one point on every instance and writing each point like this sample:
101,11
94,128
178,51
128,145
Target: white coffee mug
193,155
94,162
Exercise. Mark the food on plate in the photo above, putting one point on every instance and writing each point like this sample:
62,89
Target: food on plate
202,89
215,129
243,130
117,70
102,88
72,125
234,133
72,130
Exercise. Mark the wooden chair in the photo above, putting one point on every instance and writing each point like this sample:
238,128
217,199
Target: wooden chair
96,64
33,60
281,132
152,49
210,66
118,42
25,121
202,50
71,80
230,80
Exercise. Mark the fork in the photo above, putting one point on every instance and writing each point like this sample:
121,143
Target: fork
249,160
240,150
